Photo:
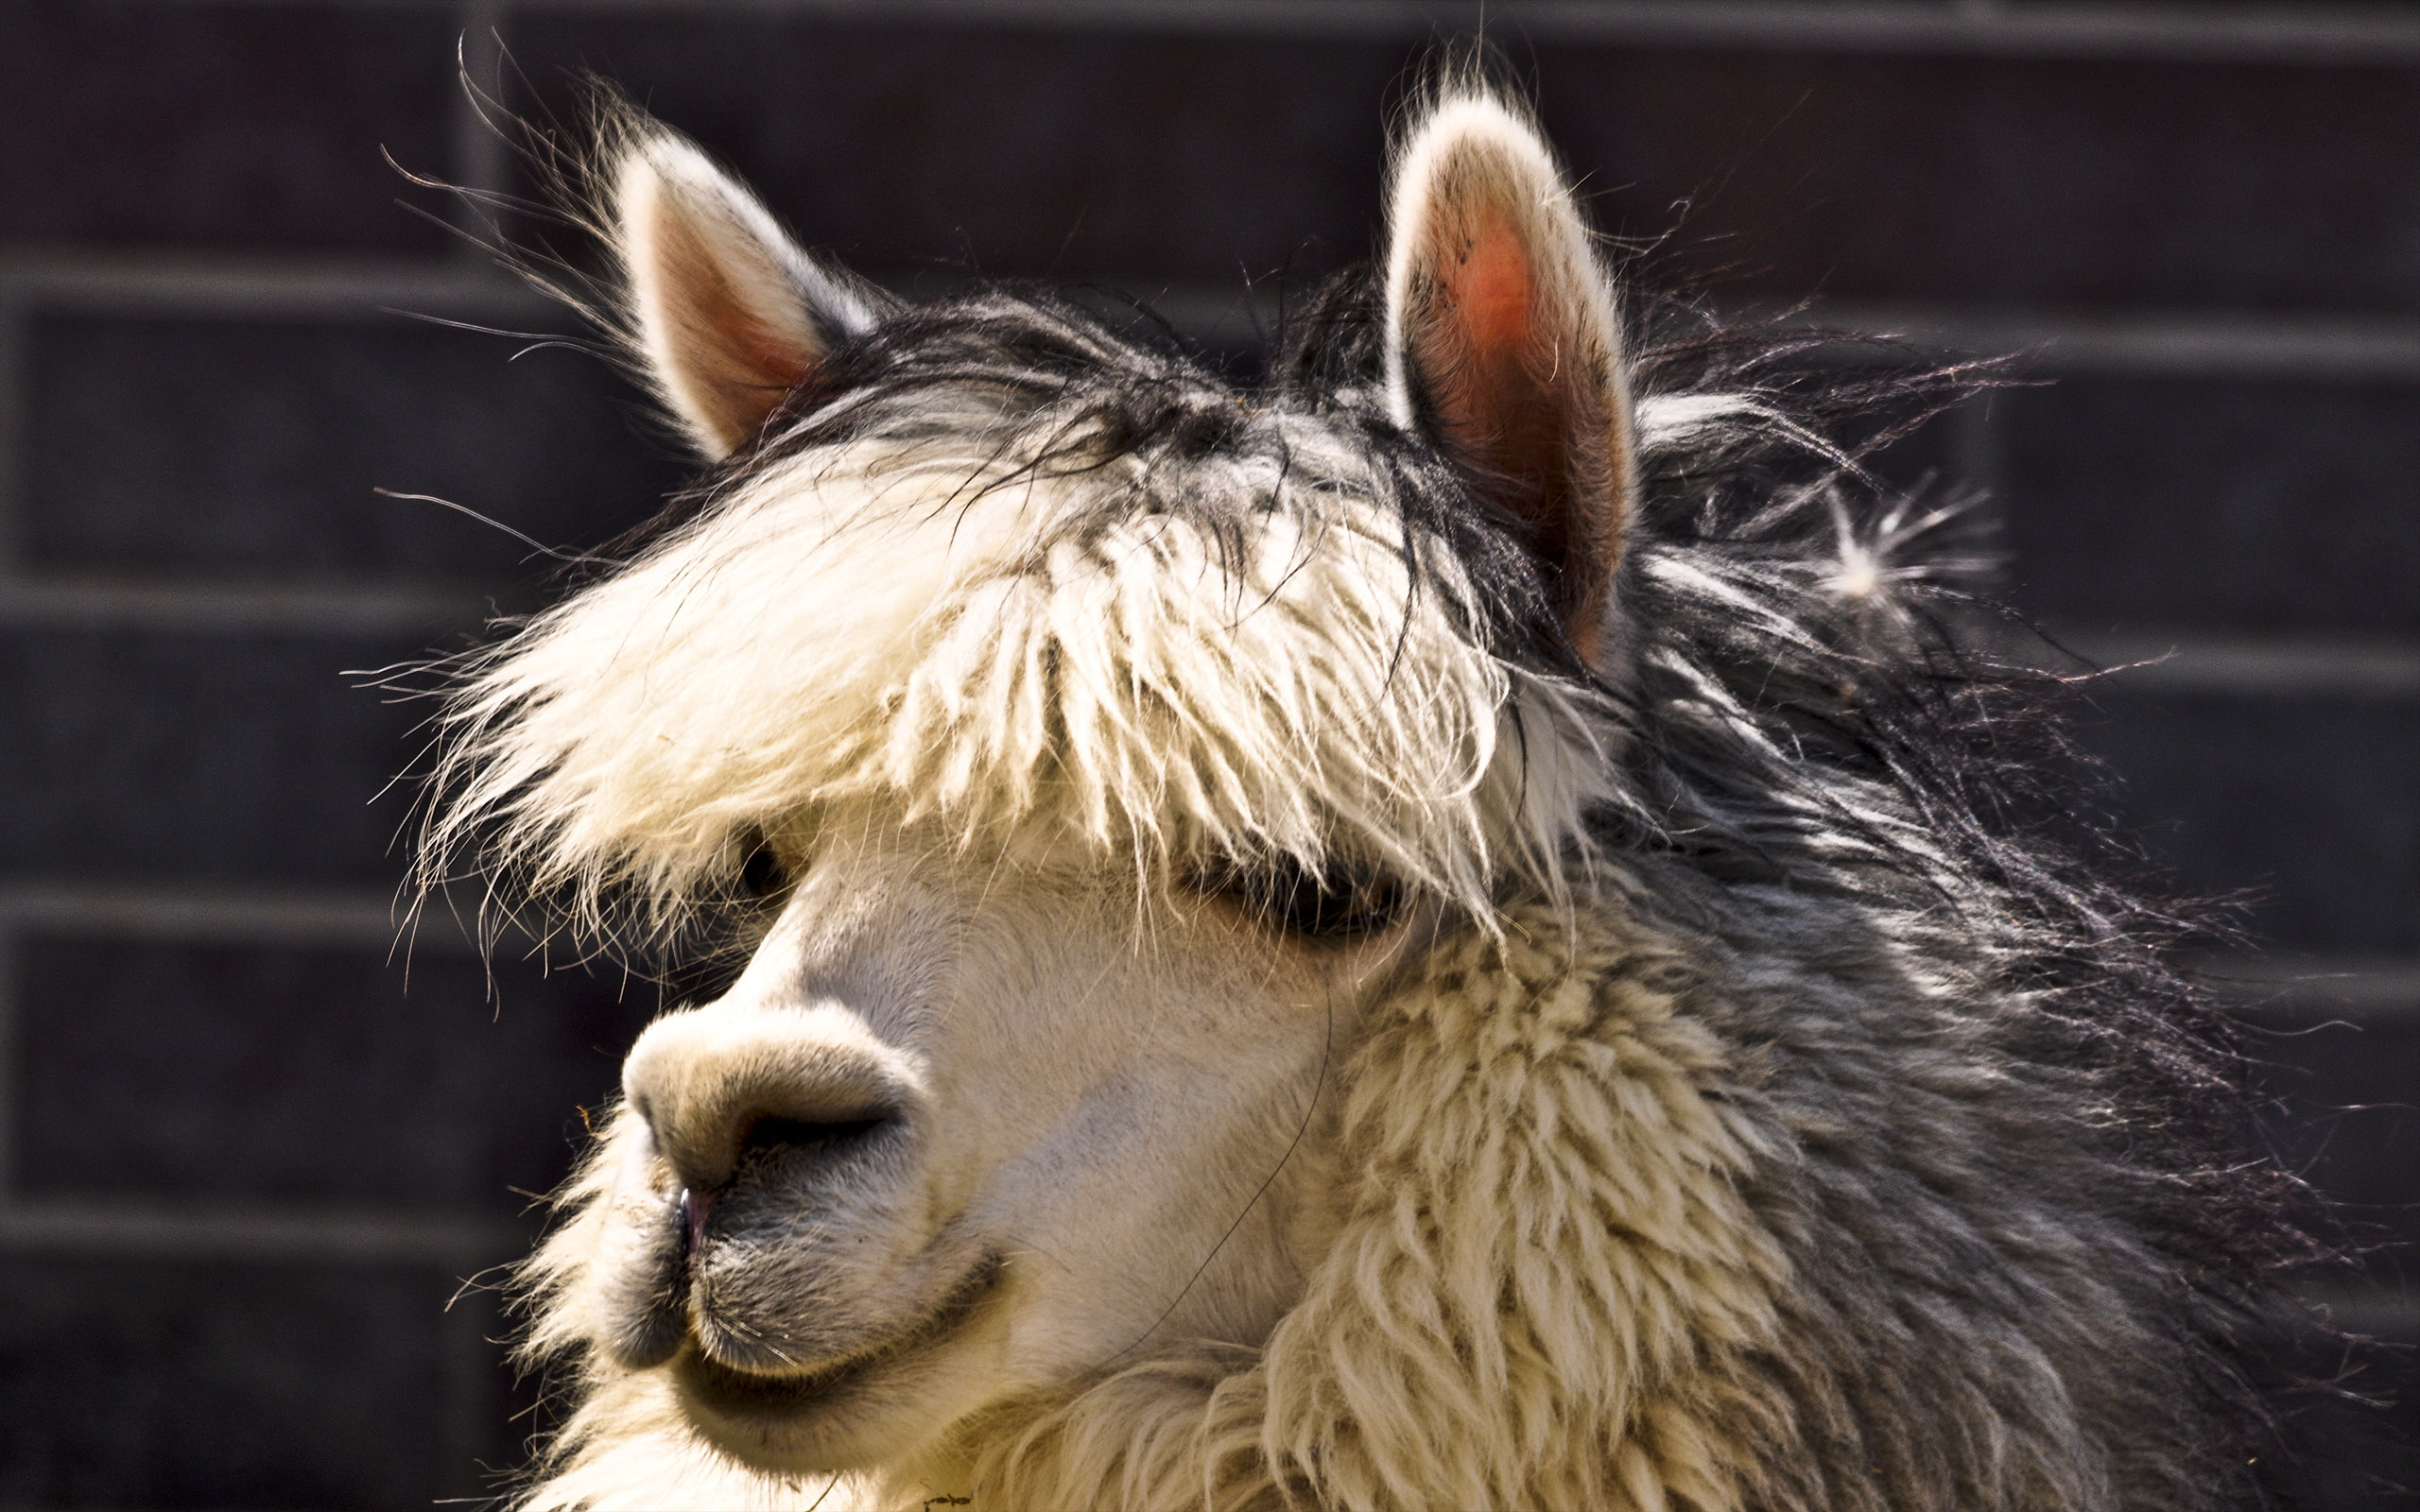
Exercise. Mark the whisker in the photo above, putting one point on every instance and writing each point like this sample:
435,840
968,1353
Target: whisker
527,540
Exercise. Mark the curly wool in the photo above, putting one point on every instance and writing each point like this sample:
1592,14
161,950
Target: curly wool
1546,1227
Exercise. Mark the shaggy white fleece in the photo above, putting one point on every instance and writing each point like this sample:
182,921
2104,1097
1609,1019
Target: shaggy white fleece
935,635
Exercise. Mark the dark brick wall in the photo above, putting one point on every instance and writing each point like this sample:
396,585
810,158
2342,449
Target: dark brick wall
219,126
2091,183
246,1156
195,1072
269,435
2189,504
200,754
171,1383
2305,802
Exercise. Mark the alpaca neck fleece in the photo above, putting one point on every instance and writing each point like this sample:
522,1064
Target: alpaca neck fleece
1542,1293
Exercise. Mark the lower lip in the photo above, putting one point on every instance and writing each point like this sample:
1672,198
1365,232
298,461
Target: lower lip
747,1394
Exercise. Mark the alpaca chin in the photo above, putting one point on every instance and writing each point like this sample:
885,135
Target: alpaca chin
861,1414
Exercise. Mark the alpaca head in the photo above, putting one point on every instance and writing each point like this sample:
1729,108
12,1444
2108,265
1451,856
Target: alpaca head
1079,743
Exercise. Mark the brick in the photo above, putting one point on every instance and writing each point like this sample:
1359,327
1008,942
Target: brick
2143,503
2026,180
126,1383
251,451
1149,157
2346,1114
345,1078
2303,804
183,756
1017,152
2343,1453
224,125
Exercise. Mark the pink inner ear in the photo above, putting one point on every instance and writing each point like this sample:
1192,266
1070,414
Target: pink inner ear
1491,289
1475,341
1518,409
760,348
759,356
739,364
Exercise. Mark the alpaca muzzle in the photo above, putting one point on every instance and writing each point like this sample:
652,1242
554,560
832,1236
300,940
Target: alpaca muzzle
725,1088
757,1220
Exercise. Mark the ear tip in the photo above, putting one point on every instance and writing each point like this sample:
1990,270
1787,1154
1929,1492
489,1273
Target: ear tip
655,157
655,174
1478,116
1474,144
1482,103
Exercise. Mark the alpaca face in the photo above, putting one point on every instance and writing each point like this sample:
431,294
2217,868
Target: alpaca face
1286,962
946,1141
1092,742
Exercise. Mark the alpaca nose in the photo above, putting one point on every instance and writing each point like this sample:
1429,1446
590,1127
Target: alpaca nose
718,1091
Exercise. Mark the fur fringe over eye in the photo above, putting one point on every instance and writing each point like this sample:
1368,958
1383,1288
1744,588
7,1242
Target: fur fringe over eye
1005,616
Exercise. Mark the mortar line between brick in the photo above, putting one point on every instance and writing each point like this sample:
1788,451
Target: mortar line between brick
259,1234
2373,1308
1922,26
2172,32
2362,988
43,599
263,286
229,915
2186,342
1975,449
2189,342
2149,660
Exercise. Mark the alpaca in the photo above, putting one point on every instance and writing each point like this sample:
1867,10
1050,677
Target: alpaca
1444,929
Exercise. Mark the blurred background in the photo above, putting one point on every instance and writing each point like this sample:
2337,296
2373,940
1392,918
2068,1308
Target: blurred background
246,1159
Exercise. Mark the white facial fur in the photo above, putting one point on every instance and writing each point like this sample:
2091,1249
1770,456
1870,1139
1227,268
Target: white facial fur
1105,1125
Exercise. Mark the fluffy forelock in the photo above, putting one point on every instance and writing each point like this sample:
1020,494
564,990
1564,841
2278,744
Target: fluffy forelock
1005,604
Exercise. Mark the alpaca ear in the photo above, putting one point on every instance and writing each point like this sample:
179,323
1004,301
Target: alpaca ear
1502,343
728,314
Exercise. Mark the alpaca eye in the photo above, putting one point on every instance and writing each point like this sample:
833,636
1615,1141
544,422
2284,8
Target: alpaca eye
1337,903
762,872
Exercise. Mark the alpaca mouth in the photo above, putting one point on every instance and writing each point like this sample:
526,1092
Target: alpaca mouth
731,1392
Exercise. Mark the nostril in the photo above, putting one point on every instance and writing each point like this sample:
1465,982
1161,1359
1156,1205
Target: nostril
773,1136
